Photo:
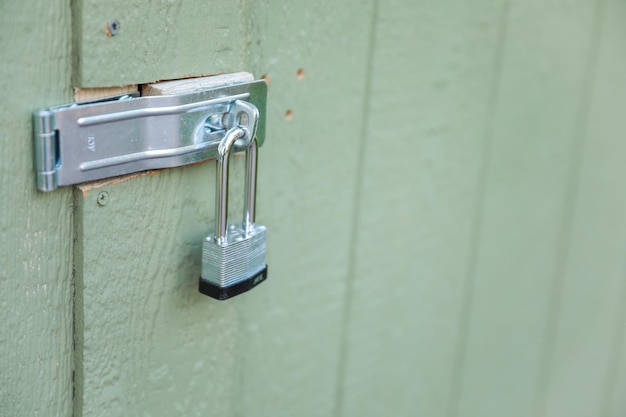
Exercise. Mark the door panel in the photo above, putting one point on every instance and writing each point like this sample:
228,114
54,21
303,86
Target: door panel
151,343
442,187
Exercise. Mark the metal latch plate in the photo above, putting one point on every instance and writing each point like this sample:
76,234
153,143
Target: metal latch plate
83,142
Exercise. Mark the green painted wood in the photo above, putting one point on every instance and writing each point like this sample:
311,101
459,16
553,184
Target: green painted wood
291,339
523,219
159,40
589,325
444,207
36,228
150,343
429,105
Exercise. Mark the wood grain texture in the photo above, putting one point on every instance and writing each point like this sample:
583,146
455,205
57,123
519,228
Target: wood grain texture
158,40
152,344
192,84
36,227
428,106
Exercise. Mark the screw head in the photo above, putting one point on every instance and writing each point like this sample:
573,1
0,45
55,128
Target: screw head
103,198
112,27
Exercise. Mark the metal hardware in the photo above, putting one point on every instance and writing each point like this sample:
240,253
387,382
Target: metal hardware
233,259
82,142
112,28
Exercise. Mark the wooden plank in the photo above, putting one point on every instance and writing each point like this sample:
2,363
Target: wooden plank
291,329
192,84
159,40
584,370
430,94
36,227
524,215
86,94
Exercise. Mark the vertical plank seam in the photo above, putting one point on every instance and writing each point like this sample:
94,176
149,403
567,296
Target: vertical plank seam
469,284
76,224
571,195
356,215
77,303
75,39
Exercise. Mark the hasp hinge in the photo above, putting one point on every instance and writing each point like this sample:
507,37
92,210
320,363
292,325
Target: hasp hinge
46,149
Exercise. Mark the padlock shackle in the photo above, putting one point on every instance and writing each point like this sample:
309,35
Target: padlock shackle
221,186
249,197
232,136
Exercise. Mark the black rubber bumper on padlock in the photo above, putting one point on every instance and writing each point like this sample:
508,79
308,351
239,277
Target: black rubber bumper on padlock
224,293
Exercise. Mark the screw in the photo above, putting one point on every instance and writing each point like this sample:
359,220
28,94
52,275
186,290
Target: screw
112,28
103,198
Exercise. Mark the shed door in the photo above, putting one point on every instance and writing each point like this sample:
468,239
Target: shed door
443,190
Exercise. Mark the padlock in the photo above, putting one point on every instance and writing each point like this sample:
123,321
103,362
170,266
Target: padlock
233,258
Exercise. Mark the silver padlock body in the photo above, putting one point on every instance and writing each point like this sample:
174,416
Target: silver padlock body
240,258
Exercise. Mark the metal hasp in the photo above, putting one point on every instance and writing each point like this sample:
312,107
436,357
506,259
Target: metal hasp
89,141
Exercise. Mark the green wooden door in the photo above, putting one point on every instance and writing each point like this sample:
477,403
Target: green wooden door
442,184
